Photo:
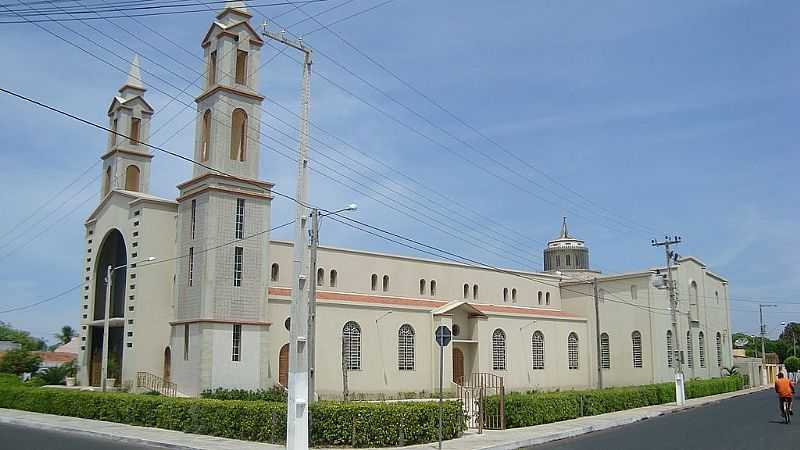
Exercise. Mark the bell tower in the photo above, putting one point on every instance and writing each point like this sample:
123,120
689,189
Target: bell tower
126,162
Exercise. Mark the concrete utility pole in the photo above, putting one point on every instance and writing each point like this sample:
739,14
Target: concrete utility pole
297,406
680,394
597,332
312,304
106,316
763,330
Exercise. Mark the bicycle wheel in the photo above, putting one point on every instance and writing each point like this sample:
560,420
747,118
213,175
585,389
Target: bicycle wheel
786,414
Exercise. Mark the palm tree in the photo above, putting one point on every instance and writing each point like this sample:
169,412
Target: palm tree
66,335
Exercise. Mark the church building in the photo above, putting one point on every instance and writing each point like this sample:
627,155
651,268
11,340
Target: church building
197,301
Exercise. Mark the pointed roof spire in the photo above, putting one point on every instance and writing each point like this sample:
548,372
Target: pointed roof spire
564,232
236,5
134,76
238,8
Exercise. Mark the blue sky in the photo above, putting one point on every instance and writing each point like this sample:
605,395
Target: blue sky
668,117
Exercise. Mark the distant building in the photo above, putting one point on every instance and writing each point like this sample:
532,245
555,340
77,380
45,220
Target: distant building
9,345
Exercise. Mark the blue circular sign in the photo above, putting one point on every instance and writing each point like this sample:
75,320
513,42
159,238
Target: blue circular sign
443,336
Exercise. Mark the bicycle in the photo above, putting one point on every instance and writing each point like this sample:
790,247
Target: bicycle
785,408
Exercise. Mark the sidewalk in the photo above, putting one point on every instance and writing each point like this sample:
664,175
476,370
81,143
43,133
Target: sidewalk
489,440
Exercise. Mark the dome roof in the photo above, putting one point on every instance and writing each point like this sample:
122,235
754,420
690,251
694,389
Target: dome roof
564,239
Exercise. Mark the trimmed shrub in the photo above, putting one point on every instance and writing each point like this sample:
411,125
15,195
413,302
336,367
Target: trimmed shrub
276,394
792,364
524,410
9,380
332,423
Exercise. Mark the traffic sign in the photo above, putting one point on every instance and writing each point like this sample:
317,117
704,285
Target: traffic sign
443,336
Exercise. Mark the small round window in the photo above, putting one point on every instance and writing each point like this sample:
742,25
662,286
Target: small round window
456,330
288,323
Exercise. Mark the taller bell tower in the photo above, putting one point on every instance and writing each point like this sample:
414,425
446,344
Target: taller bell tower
220,322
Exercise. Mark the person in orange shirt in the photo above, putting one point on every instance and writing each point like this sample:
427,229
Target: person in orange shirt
785,390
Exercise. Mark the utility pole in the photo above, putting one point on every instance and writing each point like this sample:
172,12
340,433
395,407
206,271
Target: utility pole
312,304
763,330
680,394
298,398
597,335
106,315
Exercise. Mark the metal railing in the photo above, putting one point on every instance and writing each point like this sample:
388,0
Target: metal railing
150,382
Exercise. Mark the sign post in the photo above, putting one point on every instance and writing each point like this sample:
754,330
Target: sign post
443,337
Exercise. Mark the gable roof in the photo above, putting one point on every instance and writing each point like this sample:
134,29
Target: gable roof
129,103
134,196
254,36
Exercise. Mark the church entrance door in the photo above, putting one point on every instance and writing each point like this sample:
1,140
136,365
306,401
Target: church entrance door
283,366
458,365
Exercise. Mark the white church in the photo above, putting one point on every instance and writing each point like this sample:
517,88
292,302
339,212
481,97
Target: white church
211,309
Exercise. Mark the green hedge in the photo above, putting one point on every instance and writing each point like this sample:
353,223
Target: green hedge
276,394
332,423
524,410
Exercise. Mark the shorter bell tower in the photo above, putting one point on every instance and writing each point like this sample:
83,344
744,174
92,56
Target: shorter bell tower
126,162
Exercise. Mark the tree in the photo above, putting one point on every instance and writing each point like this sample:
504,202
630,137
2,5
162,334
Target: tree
792,364
66,334
9,333
19,362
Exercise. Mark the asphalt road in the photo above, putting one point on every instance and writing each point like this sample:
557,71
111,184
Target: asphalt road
751,422
25,438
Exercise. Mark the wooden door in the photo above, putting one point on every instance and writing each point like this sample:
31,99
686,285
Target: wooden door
95,369
458,365
167,364
283,366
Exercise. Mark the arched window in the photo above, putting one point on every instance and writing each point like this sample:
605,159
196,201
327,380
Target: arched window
636,341
701,342
276,272
537,349
716,296
689,350
669,348
405,348
547,298
719,349
422,287
601,295
132,178
136,130
212,68
694,304
505,295
114,126
351,341
238,135
333,279
433,288
241,67
474,291
540,297
572,350
568,260
205,136
498,350
374,282
514,295
466,290
558,260
107,182
385,283
320,277
634,292
605,351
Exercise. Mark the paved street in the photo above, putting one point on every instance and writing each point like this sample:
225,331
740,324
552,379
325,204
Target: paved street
749,422
24,438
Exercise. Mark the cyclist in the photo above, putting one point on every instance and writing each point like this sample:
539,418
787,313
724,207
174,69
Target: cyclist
785,389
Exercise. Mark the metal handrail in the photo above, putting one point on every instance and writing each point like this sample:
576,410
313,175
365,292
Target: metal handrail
155,383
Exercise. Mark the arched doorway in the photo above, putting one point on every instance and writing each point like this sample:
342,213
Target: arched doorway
458,365
167,364
283,366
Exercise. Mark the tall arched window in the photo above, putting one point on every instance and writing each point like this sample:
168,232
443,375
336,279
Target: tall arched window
716,296
694,304
433,288
514,295
422,286
636,341
405,348
241,67
320,277
689,350
136,130
701,342
385,283
238,135
205,136
568,260
547,298
333,279
540,297
466,291
132,178
351,343
634,292
374,282
107,182
275,272
605,351
572,350
669,348
537,349
505,295
474,291
499,350
719,349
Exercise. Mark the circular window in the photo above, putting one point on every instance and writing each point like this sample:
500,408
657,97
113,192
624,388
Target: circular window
288,323
456,330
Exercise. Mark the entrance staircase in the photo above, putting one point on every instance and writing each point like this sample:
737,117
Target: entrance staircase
146,382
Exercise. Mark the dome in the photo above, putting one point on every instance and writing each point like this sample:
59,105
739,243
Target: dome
566,253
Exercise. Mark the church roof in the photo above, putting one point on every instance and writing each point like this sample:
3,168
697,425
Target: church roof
254,36
134,196
134,75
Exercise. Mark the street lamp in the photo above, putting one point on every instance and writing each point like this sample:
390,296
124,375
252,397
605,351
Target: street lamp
106,318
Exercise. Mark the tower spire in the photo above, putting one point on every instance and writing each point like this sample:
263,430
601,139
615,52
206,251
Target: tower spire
564,232
134,75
